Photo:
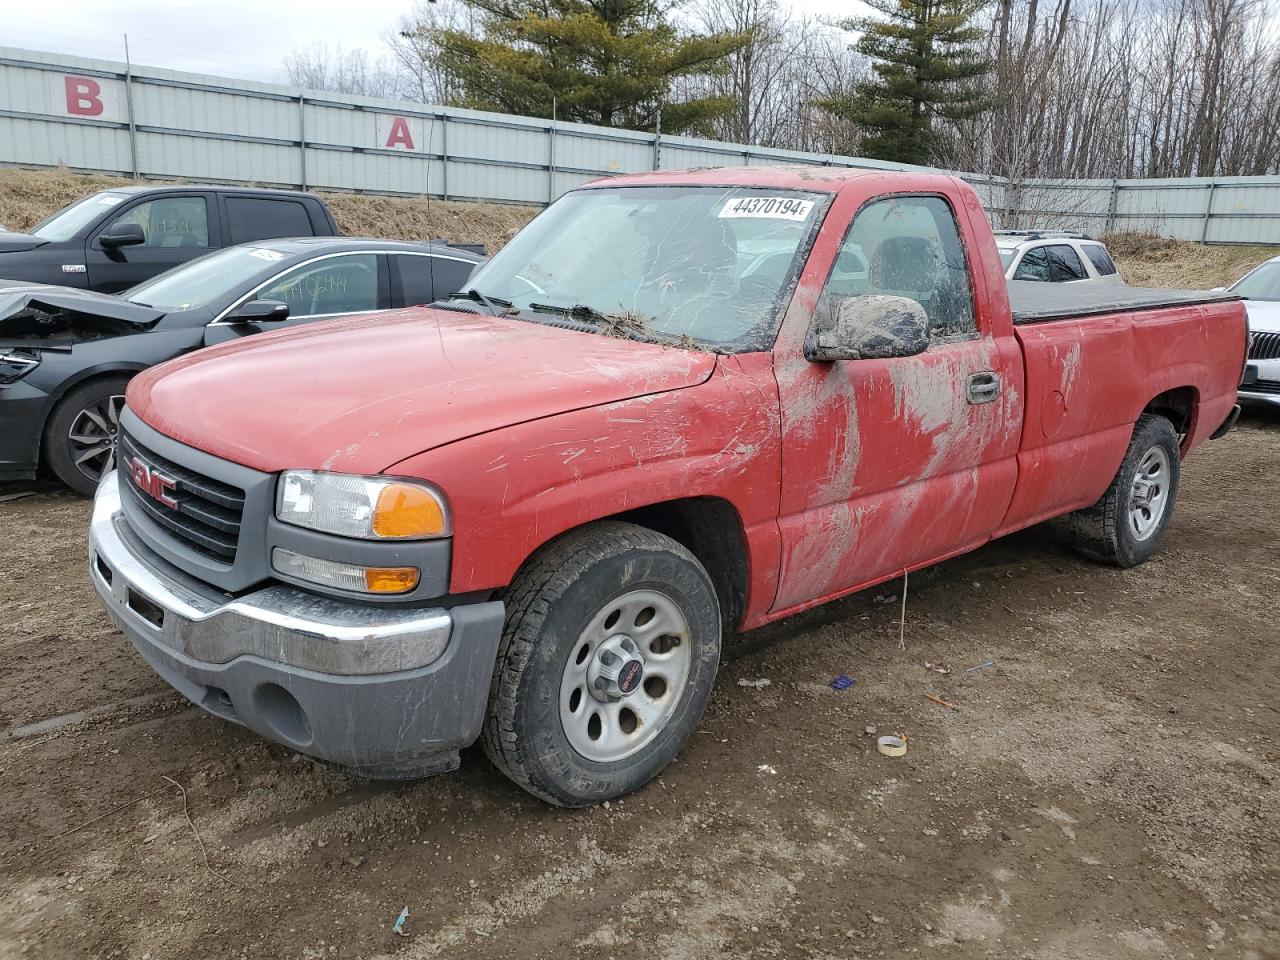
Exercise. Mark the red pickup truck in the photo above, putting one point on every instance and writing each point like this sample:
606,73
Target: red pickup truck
674,406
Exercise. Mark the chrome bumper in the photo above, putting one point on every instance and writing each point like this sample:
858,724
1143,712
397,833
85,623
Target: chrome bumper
278,623
389,692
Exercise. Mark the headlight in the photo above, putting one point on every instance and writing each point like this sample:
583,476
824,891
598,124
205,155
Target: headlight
369,508
16,364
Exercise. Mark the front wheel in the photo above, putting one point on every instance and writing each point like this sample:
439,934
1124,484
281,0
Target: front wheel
1124,528
80,438
607,659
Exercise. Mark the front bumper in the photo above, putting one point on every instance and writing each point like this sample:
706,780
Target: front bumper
390,691
1261,382
22,418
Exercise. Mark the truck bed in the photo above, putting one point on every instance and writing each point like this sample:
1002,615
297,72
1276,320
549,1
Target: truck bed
1035,302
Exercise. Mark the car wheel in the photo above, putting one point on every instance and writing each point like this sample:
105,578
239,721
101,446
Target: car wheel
80,438
1125,527
607,659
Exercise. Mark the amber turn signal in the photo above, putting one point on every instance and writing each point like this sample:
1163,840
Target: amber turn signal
390,579
404,510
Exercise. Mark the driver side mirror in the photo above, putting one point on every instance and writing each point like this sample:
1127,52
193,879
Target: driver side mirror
872,327
259,311
123,235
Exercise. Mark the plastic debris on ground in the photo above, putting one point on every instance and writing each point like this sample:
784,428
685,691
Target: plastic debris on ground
981,666
757,684
892,746
398,926
842,682
765,768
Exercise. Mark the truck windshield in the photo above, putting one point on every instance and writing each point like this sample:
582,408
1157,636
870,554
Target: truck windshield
1262,284
201,281
708,263
69,221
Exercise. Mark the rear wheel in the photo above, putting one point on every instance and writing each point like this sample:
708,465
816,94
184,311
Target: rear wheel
80,438
1125,527
607,660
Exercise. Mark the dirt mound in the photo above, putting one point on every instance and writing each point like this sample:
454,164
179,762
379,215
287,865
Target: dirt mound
28,196
1147,260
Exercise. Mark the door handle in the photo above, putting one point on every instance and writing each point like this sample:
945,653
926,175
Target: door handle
982,387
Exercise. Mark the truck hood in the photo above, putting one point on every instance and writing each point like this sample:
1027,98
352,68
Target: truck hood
1264,315
361,394
45,317
17,242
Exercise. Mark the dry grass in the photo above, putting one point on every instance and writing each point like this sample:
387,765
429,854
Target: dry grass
28,196
1149,261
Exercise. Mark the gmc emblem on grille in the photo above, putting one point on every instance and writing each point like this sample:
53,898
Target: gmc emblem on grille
152,482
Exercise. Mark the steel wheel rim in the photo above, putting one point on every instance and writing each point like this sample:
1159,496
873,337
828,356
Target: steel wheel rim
1149,493
602,723
92,437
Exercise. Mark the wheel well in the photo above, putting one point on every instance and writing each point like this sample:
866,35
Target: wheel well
710,529
1179,407
64,389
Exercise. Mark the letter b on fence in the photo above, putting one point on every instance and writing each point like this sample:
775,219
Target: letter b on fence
88,98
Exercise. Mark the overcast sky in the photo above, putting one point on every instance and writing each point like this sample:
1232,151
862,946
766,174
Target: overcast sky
238,38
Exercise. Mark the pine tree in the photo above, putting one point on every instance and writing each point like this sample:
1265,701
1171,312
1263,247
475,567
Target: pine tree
926,68
607,62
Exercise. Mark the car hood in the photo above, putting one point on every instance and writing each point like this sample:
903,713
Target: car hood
361,394
17,242
1264,315
41,316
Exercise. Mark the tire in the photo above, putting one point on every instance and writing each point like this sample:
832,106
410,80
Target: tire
91,413
569,613
1118,529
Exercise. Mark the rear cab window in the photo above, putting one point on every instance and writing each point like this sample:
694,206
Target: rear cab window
266,218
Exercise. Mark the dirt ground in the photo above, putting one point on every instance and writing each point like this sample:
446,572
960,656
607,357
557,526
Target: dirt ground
1109,787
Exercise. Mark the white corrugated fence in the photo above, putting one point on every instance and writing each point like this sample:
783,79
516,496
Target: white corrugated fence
99,115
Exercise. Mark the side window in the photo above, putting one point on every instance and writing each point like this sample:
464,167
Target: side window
1034,265
1064,264
908,247
171,221
416,275
1100,259
347,284
451,276
256,218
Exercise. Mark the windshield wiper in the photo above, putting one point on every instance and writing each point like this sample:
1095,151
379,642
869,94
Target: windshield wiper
493,303
579,311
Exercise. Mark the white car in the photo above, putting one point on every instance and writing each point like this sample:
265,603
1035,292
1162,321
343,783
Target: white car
1260,288
1055,256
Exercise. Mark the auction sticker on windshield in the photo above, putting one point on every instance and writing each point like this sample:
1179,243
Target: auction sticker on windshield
773,208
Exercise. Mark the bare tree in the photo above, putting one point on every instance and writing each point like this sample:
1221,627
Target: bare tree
322,67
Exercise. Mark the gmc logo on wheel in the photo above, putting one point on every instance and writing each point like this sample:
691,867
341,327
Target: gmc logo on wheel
152,482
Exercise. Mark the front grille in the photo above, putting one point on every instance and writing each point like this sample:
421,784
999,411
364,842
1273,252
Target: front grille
1264,346
207,514
1263,386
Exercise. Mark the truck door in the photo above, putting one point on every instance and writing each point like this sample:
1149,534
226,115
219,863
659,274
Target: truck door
891,464
176,229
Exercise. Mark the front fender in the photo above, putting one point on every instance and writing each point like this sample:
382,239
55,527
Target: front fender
514,489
